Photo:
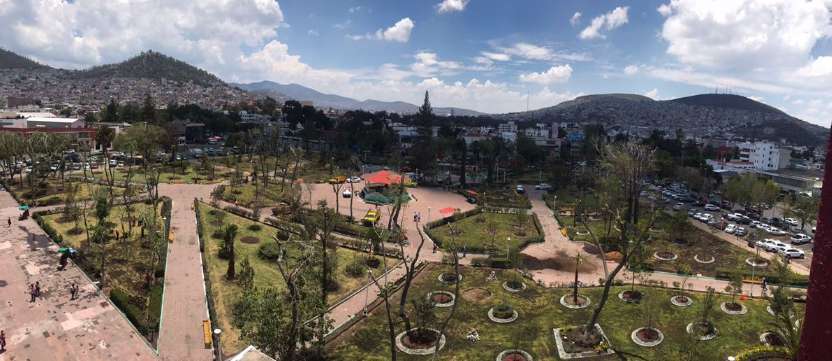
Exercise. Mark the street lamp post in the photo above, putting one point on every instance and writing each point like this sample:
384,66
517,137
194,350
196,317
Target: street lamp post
575,288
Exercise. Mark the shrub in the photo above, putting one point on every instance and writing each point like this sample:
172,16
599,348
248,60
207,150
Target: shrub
269,251
254,227
503,311
355,269
373,262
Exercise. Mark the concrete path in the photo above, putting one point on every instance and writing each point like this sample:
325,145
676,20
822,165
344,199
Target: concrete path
185,305
55,327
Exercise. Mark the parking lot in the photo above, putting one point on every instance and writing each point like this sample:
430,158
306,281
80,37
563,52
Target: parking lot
732,224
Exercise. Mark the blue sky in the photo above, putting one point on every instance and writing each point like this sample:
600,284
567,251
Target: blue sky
486,55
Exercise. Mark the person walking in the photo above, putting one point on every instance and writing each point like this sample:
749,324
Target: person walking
2,341
73,291
10,222
32,293
37,289
63,261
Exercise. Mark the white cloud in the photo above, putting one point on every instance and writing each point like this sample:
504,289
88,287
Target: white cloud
541,53
631,69
428,64
652,94
496,56
711,81
608,21
818,67
575,19
448,6
744,34
313,33
399,32
87,32
354,9
664,9
555,74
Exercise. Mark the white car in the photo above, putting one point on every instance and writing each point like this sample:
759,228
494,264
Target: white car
346,193
543,187
733,216
792,222
711,207
731,228
520,189
800,238
776,231
740,231
791,253
765,244
354,179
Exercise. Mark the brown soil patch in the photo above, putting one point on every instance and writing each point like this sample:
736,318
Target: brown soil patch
561,262
478,294
647,335
514,356
575,340
440,298
733,306
250,240
422,340
570,300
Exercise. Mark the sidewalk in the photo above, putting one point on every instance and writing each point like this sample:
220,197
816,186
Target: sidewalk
53,327
185,305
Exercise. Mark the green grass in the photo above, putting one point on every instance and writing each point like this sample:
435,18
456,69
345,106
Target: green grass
54,192
226,293
244,195
472,232
127,263
539,312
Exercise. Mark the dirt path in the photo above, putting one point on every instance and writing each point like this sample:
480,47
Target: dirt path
55,327
185,305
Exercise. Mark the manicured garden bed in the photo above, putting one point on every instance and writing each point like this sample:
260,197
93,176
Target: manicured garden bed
261,255
540,313
472,233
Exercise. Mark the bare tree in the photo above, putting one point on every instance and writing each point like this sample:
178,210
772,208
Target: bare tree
626,166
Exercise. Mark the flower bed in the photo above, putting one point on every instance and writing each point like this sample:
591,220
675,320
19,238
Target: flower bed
573,345
449,278
424,342
647,336
514,286
441,298
681,300
630,296
569,302
502,314
703,330
733,308
696,258
514,355
665,256
756,262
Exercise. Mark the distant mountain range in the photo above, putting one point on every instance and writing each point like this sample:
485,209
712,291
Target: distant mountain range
172,80
709,115
321,100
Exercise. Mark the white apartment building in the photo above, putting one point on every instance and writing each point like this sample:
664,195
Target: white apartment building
764,155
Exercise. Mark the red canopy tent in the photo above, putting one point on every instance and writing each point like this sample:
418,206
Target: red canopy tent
383,177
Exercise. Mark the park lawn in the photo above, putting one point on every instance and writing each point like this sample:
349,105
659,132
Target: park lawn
54,193
170,174
502,197
540,311
244,194
127,264
472,233
225,293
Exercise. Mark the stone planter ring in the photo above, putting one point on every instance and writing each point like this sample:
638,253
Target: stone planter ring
707,261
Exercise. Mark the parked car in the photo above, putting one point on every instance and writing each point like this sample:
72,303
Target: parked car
765,244
740,231
791,253
776,231
520,189
711,207
543,187
800,238
354,179
771,245
734,216
791,221
346,193
678,206
370,218
731,228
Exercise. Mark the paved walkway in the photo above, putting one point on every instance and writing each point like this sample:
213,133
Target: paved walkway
53,327
185,305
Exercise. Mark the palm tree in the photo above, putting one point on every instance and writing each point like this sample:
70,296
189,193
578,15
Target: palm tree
230,235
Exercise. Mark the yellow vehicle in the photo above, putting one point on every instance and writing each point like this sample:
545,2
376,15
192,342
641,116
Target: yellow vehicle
337,179
370,218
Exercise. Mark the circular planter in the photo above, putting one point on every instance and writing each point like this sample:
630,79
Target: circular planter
565,299
582,233
514,355
771,339
508,287
637,333
476,294
706,261
494,318
724,306
448,302
623,296
685,302
442,278
751,262
665,256
707,337
418,351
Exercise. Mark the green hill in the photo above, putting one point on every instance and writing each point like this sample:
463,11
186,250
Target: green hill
153,65
10,60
